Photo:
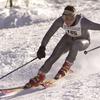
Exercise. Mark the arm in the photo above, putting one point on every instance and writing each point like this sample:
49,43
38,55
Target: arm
54,27
90,25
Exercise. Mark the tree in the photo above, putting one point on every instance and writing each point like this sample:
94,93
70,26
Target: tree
11,3
26,2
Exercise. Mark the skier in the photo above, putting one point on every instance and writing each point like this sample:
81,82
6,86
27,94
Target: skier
75,39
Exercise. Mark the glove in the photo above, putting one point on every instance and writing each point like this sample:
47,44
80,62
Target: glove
41,52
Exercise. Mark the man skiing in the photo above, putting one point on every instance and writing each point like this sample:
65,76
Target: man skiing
75,39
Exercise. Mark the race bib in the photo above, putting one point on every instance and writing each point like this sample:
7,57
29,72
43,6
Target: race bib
73,31
76,32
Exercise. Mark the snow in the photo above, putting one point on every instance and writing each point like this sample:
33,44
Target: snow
21,31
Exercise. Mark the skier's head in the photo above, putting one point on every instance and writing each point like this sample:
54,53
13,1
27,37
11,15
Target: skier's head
69,15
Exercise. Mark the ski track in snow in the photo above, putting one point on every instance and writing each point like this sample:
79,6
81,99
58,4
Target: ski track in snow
22,30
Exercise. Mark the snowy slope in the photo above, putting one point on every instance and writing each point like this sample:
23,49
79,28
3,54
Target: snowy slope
22,30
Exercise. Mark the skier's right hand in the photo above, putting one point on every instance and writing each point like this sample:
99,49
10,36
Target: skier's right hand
41,52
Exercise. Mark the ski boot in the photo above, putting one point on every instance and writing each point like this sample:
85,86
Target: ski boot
36,81
62,72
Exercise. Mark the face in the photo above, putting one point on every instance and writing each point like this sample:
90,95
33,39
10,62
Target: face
69,19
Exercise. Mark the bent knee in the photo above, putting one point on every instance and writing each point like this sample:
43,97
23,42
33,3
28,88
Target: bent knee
81,44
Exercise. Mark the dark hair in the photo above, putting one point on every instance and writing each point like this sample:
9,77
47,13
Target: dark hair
70,8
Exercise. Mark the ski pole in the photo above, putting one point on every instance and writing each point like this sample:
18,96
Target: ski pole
18,68
85,52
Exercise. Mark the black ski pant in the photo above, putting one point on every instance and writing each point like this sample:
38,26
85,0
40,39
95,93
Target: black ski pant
67,43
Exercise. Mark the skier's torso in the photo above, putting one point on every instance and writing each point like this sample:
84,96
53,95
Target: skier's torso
81,26
77,30
73,31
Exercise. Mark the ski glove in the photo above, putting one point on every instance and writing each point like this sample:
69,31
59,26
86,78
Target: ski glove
41,52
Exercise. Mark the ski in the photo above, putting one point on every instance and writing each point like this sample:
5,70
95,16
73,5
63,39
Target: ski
15,90
51,82
10,91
